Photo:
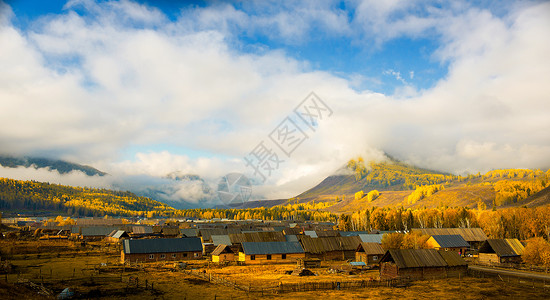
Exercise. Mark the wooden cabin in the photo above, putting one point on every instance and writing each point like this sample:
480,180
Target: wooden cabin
116,236
418,264
495,251
473,236
369,253
223,253
95,233
451,242
151,250
330,248
270,252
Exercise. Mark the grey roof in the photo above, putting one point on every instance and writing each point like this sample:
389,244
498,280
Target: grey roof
253,248
142,229
310,233
450,241
189,232
352,233
162,245
371,238
291,238
221,239
97,230
469,234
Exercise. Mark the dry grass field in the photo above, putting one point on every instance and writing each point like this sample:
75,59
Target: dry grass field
95,272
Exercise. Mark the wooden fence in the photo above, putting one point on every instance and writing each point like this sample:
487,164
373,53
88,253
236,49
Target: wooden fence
299,286
512,279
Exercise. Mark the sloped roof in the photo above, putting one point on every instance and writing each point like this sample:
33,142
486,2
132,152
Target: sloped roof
267,236
292,231
469,234
207,233
352,233
98,222
327,233
119,234
170,231
502,247
371,248
162,245
142,229
255,248
189,232
450,241
371,238
97,230
291,238
421,258
221,248
327,244
311,233
452,258
221,239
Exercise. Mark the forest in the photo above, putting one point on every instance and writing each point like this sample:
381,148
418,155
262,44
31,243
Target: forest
511,186
77,201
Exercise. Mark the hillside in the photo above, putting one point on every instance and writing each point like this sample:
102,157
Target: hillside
38,162
390,175
18,195
404,186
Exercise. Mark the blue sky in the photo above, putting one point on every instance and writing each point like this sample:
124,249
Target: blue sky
148,88
345,55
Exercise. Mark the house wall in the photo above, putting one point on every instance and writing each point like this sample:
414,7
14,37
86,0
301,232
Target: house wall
333,255
223,257
488,258
145,257
511,259
388,270
391,271
367,259
275,258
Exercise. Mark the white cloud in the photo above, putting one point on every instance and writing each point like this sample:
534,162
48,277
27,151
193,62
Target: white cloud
88,87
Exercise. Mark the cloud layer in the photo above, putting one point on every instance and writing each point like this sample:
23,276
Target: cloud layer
99,79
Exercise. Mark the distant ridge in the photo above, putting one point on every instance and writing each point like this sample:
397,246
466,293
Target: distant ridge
61,166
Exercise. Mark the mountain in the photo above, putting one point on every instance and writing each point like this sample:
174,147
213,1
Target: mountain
401,185
388,175
539,199
39,162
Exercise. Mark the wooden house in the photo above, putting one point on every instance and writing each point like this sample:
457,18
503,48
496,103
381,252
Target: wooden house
330,248
270,252
170,232
95,233
151,250
369,253
141,231
451,242
495,251
257,237
117,235
223,253
418,264
474,236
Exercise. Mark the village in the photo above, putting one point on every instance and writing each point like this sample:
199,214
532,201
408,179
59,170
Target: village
228,259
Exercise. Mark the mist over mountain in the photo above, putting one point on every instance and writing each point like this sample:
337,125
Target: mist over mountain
61,166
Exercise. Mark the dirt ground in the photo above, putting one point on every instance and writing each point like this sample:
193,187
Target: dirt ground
95,272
